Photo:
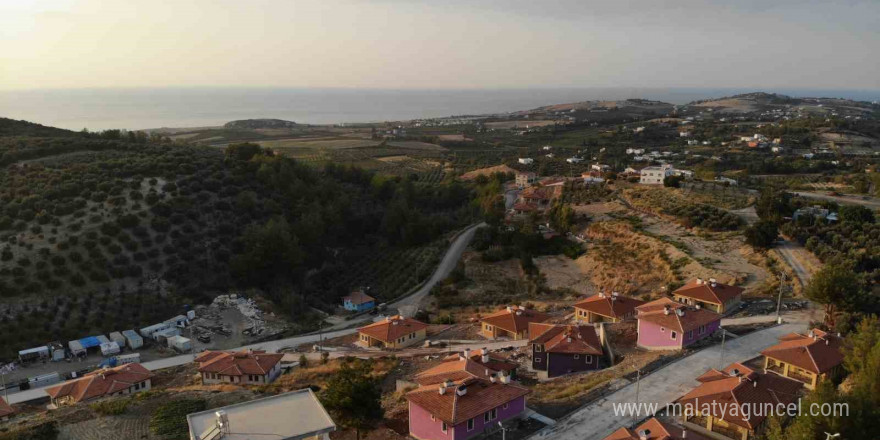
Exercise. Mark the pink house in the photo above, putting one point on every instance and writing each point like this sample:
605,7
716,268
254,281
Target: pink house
664,324
461,410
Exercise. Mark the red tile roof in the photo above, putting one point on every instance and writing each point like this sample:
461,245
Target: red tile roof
679,317
514,318
656,430
496,362
455,370
818,351
568,339
5,409
740,385
480,396
614,306
358,297
237,363
391,328
101,382
708,291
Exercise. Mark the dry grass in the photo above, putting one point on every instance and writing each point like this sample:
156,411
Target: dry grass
487,172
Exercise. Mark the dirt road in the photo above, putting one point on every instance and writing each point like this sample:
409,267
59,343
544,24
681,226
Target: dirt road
788,250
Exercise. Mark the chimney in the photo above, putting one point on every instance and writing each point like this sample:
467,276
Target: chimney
442,389
509,308
492,378
568,339
467,353
699,281
614,294
679,312
826,342
665,310
684,433
601,294
448,383
462,390
387,319
505,379
643,434
755,383
485,357
698,306
518,312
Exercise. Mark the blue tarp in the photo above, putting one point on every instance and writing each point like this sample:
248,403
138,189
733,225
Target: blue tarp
90,342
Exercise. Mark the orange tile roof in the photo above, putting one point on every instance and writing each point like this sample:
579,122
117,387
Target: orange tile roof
101,383
656,430
740,385
481,395
611,306
707,291
496,362
817,352
680,317
514,318
5,409
358,297
569,339
237,363
392,328
455,370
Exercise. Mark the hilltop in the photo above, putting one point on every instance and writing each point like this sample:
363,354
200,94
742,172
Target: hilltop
255,124
762,101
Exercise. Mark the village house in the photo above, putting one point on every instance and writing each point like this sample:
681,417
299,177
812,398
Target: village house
574,159
664,324
296,415
392,332
252,367
358,301
653,429
463,409
600,167
511,322
709,294
559,349
124,379
806,358
710,402
525,179
654,175
538,198
525,160
478,364
6,411
726,181
606,308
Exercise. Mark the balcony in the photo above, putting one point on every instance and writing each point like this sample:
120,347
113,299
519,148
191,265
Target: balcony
778,369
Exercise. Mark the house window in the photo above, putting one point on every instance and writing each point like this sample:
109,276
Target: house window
577,356
537,360
486,418
589,359
470,425
506,405
538,348
433,418
673,335
494,413
701,330
690,334
443,427
137,386
662,329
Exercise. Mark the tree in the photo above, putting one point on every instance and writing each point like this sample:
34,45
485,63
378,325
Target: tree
270,251
672,181
773,204
303,361
833,286
762,234
856,214
243,151
353,396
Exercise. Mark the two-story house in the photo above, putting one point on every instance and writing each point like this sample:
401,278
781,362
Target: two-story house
664,324
563,349
251,367
465,408
806,358
715,407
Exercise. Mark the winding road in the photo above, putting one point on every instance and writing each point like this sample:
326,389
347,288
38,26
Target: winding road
407,306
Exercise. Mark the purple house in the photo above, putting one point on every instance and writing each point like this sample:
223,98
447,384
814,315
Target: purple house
563,349
664,324
464,409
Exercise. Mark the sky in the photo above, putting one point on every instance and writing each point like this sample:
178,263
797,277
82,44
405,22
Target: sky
455,44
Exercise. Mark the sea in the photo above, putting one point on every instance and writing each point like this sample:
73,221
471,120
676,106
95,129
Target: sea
151,108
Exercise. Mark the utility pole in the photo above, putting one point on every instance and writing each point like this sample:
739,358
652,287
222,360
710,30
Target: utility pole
5,390
779,299
503,431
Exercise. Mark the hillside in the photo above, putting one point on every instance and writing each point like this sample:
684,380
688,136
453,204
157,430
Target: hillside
112,234
12,127
761,101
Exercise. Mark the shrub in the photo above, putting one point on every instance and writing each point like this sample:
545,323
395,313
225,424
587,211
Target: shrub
112,407
169,420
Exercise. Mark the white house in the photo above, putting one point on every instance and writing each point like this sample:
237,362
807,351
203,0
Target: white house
599,167
726,180
635,151
574,160
655,175
526,160
547,147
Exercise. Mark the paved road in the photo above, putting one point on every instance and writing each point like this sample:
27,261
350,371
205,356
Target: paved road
787,250
597,420
407,306
871,202
410,305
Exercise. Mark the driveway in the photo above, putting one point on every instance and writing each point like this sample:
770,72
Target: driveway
597,420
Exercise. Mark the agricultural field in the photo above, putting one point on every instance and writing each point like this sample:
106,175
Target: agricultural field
690,209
